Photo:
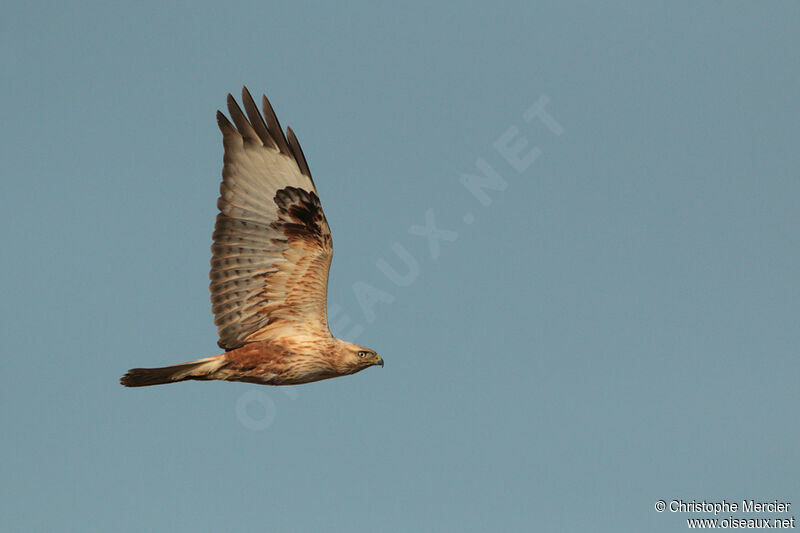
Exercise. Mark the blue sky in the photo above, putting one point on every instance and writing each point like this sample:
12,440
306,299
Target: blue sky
612,321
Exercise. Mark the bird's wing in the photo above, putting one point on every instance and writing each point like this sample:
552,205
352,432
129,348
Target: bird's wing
272,245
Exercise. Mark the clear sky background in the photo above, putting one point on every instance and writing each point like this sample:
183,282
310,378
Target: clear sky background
618,325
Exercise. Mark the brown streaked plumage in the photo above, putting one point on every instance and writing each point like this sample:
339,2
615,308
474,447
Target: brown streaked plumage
269,267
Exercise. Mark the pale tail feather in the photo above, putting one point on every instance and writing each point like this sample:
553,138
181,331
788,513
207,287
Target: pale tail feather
200,370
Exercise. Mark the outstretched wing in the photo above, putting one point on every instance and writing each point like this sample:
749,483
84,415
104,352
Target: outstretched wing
272,245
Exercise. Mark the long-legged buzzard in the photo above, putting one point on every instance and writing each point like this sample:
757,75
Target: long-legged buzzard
269,267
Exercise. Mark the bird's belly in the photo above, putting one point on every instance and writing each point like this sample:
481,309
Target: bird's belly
264,363
291,377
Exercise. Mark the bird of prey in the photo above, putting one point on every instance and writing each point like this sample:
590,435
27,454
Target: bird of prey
271,254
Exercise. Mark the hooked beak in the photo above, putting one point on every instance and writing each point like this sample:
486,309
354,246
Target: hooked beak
378,361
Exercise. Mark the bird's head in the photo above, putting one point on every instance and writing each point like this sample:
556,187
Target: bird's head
354,358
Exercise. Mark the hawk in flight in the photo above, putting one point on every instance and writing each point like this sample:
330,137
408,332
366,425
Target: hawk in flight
269,267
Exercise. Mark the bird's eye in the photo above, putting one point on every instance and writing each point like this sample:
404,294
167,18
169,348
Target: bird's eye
363,354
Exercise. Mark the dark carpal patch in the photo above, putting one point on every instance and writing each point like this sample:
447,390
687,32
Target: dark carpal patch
300,215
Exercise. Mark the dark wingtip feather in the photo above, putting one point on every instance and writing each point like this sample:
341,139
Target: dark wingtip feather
244,127
274,125
223,122
297,152
256,120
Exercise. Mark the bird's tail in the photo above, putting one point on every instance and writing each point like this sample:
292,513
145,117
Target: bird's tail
200,369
